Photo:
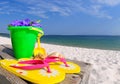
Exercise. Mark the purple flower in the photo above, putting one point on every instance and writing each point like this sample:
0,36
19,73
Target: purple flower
16,23
25,22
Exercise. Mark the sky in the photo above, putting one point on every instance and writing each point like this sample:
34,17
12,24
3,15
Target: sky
65,17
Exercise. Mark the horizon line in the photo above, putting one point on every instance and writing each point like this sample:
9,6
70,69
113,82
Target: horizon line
71,34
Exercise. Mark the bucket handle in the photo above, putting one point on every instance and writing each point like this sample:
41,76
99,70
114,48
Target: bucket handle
40,31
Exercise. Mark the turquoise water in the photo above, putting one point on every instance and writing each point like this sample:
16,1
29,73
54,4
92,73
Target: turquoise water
97,42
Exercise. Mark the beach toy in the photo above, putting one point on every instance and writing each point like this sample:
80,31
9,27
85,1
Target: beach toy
23,40
39,52
23,37
39,75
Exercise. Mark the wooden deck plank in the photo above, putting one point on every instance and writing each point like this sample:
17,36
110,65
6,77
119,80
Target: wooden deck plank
80,78
7,50
12,79
3,80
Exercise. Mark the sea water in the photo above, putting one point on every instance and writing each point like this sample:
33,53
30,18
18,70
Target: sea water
85,41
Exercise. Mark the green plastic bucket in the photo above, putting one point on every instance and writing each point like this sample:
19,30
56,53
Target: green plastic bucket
23,40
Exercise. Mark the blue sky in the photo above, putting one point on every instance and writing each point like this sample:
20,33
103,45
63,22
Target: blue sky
65,17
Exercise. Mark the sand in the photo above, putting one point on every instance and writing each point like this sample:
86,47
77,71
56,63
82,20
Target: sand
105,63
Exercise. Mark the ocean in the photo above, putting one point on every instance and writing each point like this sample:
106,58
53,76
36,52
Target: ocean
84,41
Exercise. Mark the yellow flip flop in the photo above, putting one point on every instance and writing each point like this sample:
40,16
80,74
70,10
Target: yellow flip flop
71,68
62,64
39,76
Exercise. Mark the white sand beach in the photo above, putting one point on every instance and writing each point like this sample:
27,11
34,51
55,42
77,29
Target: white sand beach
105,63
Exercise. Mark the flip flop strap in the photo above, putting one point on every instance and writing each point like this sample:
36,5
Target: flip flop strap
54,59
31,62
31,67
47,60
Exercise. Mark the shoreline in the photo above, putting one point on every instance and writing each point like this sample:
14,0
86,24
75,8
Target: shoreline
105,63
80,47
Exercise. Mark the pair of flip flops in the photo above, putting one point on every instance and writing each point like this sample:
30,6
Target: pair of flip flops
51,70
